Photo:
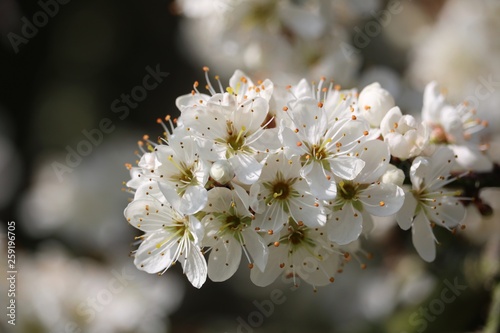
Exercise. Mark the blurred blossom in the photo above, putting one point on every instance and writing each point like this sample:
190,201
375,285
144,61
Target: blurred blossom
461,52
481,228
86,207
59,292
407,26
287,40
349,11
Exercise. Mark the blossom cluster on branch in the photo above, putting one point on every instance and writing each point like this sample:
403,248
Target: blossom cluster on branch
291,177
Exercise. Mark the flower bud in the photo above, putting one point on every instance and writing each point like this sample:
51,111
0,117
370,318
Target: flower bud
393,175
374,102
222,172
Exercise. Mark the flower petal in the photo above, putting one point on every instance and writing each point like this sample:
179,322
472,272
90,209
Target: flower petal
195,267
273,267
423,238
345,225
148,256
382,199
256,246
471,158
406,214
320,186
246,168
224,259
346,167
193,200
448,212
376,156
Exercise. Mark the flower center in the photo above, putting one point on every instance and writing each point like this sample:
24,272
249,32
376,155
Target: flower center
235,141
281,190
296,237
236,223
347,190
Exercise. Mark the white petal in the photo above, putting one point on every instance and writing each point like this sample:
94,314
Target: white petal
189,100
392,117
407,212
318,271
449,212
368,224
219,199
471,158
195,267
307,210
246,168
382,199
309,119
243,196
442,162
376,156
433,103
320,186
256,247
344,226
235,80
419,169
251,114
272,218
265,140
346,167
423,238
170,195
141,214
277,256
197,230
224,259
289,140
193,200
149,189
149,256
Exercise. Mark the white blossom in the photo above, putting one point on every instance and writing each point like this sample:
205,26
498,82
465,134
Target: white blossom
290,178
364,195
281,193
228,232
405,136
427,203
300,252
458,127
170,236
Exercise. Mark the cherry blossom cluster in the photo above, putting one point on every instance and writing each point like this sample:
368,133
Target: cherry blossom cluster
291,177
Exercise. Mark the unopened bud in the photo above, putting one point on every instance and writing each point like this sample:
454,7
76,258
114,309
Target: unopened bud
393,175
374,102
222,172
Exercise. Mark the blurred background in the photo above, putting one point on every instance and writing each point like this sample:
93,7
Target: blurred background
82,81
